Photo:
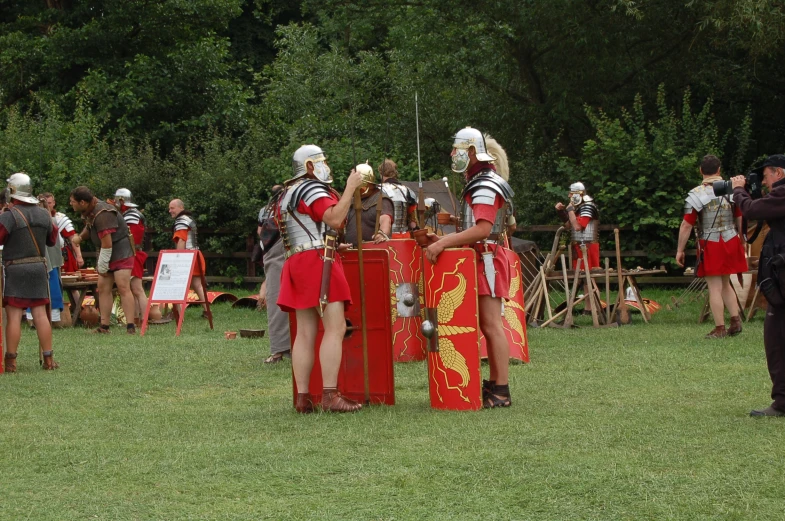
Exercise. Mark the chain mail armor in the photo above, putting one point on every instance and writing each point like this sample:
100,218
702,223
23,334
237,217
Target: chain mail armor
298,231
715,213
402,198
26,274
591,233
483,189
186,222
121,242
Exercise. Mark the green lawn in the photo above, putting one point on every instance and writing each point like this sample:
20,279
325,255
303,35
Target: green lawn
640,422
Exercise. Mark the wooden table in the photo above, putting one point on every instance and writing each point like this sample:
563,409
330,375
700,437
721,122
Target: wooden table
76,294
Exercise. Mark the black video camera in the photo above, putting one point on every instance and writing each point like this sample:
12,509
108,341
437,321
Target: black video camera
753,186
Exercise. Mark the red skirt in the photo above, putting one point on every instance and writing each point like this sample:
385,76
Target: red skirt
24,303
501,265
721,258
592,249
139,260
301,280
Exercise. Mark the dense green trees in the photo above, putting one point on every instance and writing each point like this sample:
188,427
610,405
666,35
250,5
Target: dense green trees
201,97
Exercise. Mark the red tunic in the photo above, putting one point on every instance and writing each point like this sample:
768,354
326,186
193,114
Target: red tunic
720,257
487,212
301,278
592,248
201,266
137,230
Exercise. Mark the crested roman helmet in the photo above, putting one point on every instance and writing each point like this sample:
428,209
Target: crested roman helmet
463,140
314,155
123,197
20,187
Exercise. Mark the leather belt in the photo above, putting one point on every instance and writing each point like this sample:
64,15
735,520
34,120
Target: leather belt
25,260
305,246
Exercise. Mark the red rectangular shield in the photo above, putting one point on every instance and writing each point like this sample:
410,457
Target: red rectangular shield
405,279
454,379
351,381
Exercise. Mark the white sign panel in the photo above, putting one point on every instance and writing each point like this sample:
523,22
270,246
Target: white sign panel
173,276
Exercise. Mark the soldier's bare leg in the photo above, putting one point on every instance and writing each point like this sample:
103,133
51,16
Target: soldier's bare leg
729,296
122,279
196,285
105,284
140,297
331,350
13,329
42,327
716,303
303,349
492,328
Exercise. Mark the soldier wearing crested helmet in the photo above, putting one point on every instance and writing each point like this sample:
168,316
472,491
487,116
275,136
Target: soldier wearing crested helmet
377,211
123,200
26,230
485,208
313,283
720,247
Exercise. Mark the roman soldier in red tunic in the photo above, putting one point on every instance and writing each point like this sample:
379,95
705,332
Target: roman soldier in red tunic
313,284
720,246
485,206
582,217
134,219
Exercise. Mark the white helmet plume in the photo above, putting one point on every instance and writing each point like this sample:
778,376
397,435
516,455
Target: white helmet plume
496,150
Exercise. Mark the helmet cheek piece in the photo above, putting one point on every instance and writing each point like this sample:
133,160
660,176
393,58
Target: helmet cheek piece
460,160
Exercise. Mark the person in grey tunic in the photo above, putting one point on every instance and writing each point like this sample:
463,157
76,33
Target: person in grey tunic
26,230
277,320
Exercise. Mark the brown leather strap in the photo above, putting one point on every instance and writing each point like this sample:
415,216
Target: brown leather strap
28,229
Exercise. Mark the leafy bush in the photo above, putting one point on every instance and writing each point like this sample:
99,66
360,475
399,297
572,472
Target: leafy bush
639,170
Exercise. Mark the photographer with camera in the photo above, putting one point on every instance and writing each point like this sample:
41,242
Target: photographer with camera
720,247
771,268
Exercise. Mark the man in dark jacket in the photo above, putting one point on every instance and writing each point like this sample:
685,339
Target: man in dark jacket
771,208
26,230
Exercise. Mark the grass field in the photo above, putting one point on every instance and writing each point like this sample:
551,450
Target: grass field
640,422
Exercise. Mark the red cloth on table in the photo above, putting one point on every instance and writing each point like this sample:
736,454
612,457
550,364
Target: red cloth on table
719,257
301,278
487,212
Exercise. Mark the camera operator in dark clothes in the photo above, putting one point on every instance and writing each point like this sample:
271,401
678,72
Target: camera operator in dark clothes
771,270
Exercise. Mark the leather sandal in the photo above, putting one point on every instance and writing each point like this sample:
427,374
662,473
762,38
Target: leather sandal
49,361
334,401
9,363
487,388
735,326
304,403
717,332
277,357
497,399
101,330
